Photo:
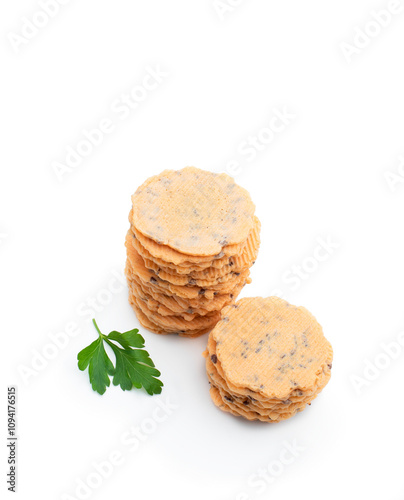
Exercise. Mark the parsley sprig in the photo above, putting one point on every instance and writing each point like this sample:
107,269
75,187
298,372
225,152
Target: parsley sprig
134,368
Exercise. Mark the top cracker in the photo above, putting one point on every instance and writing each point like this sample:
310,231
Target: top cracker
271,347
193,211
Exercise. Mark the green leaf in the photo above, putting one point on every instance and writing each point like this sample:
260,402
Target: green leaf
127,339
121,376
99,365
87,353
134,367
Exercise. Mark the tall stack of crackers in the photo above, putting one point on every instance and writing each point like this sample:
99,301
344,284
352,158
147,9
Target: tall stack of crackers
193,237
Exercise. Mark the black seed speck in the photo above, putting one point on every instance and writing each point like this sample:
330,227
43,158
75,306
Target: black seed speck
202,291
153,280
293,351
304,339
228,399
214,358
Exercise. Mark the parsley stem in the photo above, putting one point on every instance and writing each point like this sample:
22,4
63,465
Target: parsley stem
96,327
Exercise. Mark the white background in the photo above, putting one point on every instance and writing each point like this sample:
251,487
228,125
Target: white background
323,176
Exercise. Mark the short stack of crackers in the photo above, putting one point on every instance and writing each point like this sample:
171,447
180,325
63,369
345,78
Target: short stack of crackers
193,237
267,359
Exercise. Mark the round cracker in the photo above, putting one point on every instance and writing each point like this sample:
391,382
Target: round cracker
175,323
270,347
211,275
297,395
193,211
145,321
200,306
148,276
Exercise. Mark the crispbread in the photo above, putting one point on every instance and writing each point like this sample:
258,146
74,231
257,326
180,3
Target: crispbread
193,211
187,292
176,323
168,254
162,310
186,267
267,359
248,253
297,395
216,378
144,321
177,304
273,348
211,275
226,406
272,412
193,237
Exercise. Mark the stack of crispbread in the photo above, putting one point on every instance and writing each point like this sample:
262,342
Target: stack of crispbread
266,359
193,237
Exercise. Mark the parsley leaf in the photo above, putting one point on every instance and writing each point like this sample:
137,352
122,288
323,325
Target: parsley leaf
134,368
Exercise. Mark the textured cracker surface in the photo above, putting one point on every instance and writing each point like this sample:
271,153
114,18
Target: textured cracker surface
266,359
270,346
193,211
